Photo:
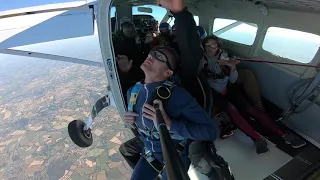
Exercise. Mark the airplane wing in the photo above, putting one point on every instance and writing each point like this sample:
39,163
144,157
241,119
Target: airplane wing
46,23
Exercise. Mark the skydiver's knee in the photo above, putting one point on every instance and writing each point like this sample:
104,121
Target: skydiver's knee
126,149
249,72
122,148
248,75
197,158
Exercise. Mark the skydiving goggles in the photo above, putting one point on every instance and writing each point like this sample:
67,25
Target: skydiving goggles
158,54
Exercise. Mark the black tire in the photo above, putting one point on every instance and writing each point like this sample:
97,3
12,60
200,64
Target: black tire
77,134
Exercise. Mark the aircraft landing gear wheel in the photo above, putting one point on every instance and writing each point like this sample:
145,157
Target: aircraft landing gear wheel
81,137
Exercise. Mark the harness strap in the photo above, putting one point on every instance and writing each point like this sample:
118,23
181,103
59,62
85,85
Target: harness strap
163,93
155,163
133,96
155,134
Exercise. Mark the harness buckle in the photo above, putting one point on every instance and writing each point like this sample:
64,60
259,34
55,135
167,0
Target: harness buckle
154,163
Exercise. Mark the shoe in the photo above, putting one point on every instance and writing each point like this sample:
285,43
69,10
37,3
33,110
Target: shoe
227,128
258,106
261,146
294,140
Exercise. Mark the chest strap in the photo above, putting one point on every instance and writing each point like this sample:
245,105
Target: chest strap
155,134
155,163
163,93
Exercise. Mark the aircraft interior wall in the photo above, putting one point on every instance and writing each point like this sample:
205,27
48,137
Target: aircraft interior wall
274,80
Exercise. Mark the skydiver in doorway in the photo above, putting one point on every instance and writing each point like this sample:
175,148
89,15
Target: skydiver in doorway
203,155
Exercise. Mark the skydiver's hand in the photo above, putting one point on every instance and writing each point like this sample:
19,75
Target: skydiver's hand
130,117
203,62
124,64
173,5
231,62
150,112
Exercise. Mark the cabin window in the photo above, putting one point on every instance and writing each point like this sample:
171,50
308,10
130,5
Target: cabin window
112,12
291,44
236,31
157,12
171,20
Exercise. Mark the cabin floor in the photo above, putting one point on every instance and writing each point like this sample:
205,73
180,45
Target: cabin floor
239,151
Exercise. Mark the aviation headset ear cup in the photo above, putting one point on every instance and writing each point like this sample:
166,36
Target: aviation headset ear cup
77,134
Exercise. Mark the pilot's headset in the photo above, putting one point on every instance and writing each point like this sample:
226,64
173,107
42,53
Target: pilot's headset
154,24
128,29
165,28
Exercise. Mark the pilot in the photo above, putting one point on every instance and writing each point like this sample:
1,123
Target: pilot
129,56
155,27
185,119
221,71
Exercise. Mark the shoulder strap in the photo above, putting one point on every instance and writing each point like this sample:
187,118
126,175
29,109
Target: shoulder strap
162,92
133,96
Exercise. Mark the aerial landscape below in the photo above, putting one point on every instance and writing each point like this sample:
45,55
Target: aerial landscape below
38,98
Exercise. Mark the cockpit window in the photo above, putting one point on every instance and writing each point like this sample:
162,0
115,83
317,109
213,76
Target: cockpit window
171,20
157,12
292,44
236,31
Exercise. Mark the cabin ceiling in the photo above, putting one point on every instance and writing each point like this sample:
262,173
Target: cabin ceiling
143,2
299,5
313,5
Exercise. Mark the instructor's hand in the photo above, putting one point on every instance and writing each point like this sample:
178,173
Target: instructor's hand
150,112
124,64
130,117
173,5
231,62
203,62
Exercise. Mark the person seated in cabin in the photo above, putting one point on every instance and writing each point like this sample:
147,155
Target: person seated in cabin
166,37
184,117
165,34
151,33
221,70
129,56
246,79
155,31
226,126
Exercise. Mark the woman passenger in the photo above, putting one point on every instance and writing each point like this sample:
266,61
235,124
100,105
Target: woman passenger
220,72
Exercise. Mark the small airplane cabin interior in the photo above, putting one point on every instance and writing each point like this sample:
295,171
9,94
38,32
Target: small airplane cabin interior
283,32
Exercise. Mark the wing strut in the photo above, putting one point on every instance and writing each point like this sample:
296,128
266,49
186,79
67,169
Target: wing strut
50,57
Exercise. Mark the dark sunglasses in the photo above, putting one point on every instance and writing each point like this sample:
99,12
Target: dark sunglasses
160,56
